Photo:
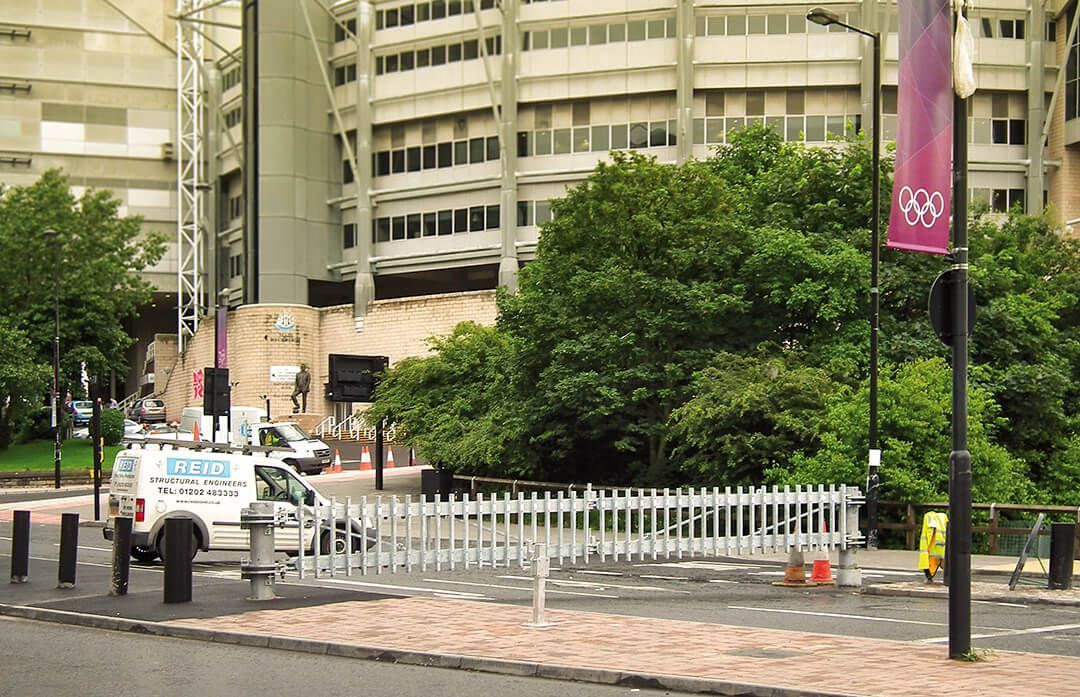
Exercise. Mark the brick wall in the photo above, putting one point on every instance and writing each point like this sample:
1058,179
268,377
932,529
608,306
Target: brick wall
262,336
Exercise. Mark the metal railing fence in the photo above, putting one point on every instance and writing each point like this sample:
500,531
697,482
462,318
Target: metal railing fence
403,534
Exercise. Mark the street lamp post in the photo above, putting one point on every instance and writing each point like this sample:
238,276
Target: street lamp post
824,17
53,237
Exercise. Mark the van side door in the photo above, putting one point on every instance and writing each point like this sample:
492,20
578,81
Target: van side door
287,492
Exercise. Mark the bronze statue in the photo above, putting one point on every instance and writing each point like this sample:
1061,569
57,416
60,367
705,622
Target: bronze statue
301,387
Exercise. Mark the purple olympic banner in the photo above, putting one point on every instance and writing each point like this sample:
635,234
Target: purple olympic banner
921,196
221,338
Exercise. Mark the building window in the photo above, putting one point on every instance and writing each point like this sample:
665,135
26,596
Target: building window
348,235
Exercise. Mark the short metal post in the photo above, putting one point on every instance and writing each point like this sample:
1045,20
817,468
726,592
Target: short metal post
541,567
20,547
848,573
121,559
1062,537
259,519
69,546
177,554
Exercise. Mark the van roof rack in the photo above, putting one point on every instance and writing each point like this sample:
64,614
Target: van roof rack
174,444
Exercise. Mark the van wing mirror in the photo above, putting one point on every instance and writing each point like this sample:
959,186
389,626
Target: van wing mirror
309,497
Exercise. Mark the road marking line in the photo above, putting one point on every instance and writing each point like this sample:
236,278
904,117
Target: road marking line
1010,632
597,573
995,602
708,566
518,588
721,580
598,586
665,578
841,615
388,586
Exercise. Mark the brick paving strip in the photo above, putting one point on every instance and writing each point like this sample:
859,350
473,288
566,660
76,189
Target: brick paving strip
688,656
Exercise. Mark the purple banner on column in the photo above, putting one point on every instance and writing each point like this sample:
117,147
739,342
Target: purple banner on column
221,338
921,197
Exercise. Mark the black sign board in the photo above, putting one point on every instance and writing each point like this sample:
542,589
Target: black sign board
941,302
353,378
216,392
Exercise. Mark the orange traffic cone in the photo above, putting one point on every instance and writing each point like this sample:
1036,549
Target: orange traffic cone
795,573
365,458
389,457
195,432
822,570
336,467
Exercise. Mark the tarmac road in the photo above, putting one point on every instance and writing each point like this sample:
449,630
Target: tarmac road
39,659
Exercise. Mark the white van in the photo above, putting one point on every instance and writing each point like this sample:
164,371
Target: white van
152,482
304,453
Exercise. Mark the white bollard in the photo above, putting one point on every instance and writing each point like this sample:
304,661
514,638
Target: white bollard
541,567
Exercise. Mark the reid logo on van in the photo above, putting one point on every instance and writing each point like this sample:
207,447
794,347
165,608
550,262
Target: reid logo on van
198,467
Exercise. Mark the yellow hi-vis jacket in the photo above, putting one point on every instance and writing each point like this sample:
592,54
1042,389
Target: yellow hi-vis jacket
932,541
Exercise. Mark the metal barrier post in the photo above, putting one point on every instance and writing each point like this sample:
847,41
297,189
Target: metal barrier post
121,559
20,547
259,520
69,546
848,573
541,567
1062,538
177,554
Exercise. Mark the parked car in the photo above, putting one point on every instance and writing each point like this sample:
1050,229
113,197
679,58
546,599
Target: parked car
148,411
81,412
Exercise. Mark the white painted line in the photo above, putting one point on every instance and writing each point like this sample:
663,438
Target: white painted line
995,602
388,586
707,566
891,572
99,549
666,578
518,588
597,573
839,615
1011,632
597,585
721,580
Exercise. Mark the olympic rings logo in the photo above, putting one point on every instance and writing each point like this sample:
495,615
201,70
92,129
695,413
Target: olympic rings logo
921,207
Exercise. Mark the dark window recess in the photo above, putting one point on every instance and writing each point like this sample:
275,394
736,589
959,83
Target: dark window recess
453,53
493,217
407,15
391,18
379,69
461,152
446,154
446,222
346,173
438,9
398,228
476,218
382,163
523,139
349,236
493,148
412,159
407,60
412,226
476,150
461,220
391,63
429,157
438,55
1017,128
429,225
382,230
423,58
471,50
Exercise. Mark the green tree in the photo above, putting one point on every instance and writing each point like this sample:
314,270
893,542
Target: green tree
632,291
746,415
453,406
915,402
91,266
23,382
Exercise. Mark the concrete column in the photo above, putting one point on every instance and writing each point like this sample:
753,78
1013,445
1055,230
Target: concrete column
250,172
848,573
684,89
870,20
1036,109
364,283
508,120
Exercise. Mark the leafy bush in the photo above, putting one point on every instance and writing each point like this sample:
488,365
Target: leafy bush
112,426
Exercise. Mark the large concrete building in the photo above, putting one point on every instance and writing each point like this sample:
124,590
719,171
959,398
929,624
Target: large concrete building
361,156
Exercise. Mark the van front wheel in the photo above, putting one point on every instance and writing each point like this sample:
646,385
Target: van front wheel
340,541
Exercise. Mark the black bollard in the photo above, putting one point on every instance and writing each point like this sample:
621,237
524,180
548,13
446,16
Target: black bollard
20,547
121,559
69,549
1062,539
177,555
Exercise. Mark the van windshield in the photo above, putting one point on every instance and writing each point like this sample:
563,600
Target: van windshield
275,484
291,432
